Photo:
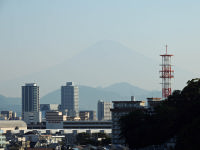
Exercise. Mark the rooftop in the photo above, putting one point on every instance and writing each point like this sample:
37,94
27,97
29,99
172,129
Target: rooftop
31,84
12,123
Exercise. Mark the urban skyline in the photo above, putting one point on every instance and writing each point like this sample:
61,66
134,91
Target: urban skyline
130,93
62,30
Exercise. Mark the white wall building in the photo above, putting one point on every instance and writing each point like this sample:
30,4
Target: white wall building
103,109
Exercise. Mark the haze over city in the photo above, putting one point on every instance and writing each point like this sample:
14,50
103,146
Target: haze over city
101,75
96,43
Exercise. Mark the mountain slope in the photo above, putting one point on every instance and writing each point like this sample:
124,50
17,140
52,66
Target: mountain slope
88,96
10,103
125,89
102,64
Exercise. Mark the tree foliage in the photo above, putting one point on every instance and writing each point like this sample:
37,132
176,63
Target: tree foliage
178,116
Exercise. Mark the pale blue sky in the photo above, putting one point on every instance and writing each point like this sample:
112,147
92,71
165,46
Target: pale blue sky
38,34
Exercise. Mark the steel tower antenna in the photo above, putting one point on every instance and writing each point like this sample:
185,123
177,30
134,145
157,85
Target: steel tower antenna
166,74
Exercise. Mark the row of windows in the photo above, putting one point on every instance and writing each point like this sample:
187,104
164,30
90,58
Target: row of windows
83,123
87,127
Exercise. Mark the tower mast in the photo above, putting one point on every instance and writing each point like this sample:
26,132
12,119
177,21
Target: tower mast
166,74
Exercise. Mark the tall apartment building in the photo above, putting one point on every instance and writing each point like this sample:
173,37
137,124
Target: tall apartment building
69,99
122,108
103,109
31,103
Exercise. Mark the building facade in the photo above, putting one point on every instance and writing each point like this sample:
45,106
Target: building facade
54,119
70,99
84,115
2,140
32,117
30,101
103,109
90,113
48,107
153,102
8,115
87,125
12,125
122,108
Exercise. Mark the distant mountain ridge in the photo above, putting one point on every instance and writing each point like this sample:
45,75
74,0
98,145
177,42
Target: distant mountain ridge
101,64
10,103
88,96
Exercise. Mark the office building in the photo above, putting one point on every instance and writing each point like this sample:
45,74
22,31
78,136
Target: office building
54,119
48,107
91,114
8,115
104,112
69,99
31,103
122,108
84,115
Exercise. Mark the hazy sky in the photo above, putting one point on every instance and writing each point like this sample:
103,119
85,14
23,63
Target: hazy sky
38,34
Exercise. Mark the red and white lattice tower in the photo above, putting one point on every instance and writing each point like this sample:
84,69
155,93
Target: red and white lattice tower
166,74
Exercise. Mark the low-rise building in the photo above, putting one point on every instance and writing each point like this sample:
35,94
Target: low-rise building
153,102
48,107
6,125
84,115
32,117
54,119
87,125
8,115
2,140
92,114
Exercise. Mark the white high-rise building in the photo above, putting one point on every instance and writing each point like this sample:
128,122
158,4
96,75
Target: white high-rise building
103,109
31,103
69,99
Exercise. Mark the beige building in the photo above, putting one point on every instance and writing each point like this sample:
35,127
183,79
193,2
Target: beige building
84,115
88,113
6,125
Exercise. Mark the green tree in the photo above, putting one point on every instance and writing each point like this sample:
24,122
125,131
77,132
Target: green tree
178,116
